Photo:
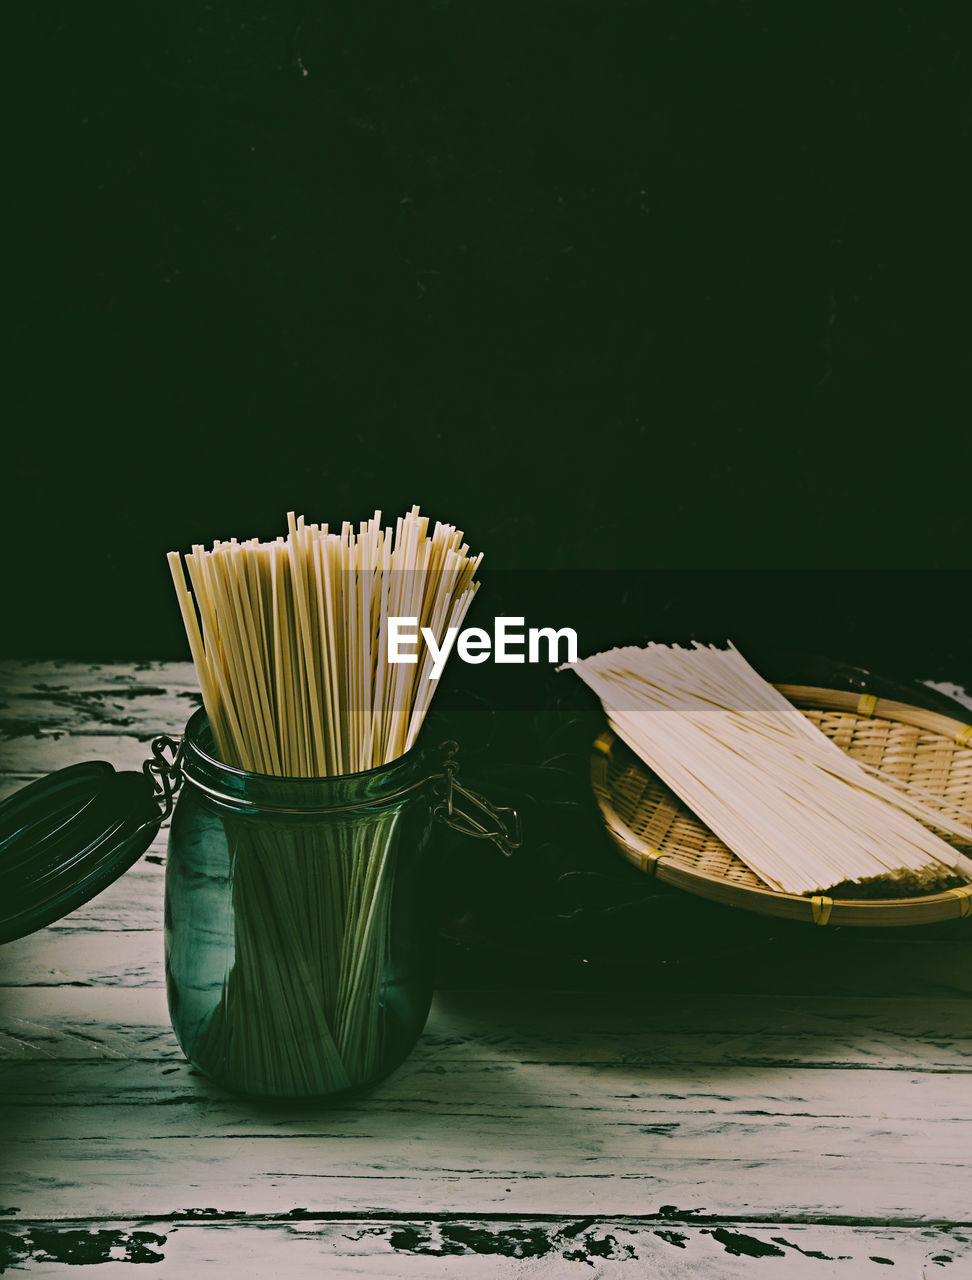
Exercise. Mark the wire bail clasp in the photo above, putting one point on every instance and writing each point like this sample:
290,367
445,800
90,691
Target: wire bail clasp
479,819
165,771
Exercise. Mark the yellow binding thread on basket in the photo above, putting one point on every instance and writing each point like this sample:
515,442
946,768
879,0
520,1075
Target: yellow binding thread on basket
963,735
822,907
650,858
603,742
964,894
866,704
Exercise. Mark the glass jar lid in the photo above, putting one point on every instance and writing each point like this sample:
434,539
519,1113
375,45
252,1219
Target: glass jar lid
66,837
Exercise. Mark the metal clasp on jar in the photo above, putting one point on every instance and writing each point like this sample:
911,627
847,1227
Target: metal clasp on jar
478,819
165,771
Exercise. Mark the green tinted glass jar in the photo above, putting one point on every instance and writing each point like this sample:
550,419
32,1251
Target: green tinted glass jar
299,922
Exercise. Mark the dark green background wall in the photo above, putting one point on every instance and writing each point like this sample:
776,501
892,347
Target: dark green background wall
611,284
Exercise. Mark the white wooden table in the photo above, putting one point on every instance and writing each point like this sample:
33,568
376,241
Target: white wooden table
761,1130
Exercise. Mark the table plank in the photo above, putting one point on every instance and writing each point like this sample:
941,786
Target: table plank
507,1105
668,1247
32,756
110,943
53,715
132,1176
523,1027
27,675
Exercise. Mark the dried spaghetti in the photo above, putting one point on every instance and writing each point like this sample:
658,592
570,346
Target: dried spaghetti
786,800
289,643
288,640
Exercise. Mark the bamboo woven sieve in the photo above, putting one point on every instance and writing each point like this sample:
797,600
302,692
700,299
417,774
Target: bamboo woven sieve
659,834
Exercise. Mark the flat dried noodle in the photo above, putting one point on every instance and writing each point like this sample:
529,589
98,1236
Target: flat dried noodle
797,810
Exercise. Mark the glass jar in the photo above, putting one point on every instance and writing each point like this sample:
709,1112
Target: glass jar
299,921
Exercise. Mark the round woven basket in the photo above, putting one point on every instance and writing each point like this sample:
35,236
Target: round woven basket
655,830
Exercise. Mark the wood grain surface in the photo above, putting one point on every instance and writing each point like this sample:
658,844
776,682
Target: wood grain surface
772,1122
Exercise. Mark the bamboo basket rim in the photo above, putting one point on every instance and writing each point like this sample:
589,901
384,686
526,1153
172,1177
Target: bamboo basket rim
675,869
